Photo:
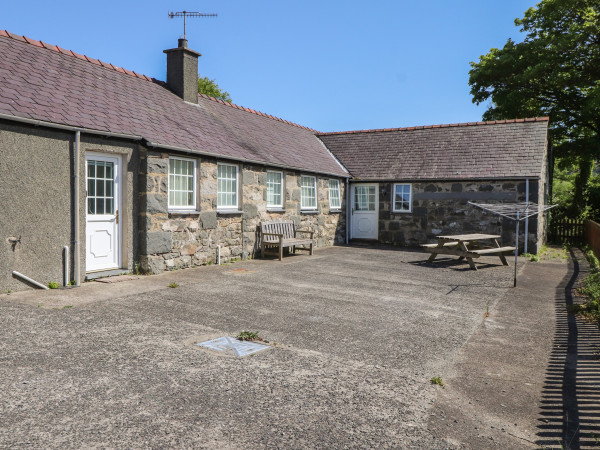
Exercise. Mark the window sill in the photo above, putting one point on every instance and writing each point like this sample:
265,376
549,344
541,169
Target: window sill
401,212
226,212
274,209
183,212
335,211
309,211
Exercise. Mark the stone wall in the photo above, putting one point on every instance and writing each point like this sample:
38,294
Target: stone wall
441,208
174,239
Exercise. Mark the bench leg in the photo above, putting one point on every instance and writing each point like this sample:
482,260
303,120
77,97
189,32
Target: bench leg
431,257
280,252
503,259
311,249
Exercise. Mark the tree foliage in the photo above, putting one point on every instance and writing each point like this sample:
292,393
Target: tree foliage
554,71
211,88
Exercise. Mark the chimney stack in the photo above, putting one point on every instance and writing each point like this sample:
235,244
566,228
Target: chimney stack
182,71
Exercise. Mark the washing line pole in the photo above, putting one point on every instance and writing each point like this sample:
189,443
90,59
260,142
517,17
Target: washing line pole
516,249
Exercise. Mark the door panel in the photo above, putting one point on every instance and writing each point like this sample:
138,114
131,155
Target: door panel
102,223
365,211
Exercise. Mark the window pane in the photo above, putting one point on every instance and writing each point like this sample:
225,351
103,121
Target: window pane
91,206
109,170
109,188
100,188
99,169
91,188
109,206
91,169
99,206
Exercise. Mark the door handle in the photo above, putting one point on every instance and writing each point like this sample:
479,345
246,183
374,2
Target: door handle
117,216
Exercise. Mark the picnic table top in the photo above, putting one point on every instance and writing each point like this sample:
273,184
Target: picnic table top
469,237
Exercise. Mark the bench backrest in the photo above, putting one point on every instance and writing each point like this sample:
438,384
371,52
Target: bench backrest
285,227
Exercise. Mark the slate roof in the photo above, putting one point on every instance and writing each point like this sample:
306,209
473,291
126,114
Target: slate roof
480,150
45,82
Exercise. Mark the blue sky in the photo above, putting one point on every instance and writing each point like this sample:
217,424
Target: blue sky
330,65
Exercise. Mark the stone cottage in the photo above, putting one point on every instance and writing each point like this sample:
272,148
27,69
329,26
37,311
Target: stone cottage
104,170
411,184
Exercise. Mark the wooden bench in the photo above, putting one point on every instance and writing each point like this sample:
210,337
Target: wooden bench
281,234
446,244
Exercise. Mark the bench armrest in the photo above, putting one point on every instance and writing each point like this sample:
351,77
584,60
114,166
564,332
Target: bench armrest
304,231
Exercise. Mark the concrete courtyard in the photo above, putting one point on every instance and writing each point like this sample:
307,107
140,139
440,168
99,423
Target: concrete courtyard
356,336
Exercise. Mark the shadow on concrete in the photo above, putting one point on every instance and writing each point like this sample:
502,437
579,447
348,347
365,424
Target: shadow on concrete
570,405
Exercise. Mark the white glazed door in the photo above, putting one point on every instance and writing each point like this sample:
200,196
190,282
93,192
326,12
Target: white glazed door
365,211
102,212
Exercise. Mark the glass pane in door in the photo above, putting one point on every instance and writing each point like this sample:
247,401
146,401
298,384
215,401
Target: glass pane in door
364,198
100,187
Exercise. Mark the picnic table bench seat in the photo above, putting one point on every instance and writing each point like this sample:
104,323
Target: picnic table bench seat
493,250
446,244
281,234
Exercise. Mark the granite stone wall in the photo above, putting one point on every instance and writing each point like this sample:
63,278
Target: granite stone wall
441,208
171,239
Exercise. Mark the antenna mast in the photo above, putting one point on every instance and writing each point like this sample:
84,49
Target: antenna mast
186,14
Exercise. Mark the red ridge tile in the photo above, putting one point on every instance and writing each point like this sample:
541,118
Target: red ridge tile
33,42
16,36
3,33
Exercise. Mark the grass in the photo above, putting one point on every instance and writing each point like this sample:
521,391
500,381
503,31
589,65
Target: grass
53,285
546,253
590,309
173,285
437,380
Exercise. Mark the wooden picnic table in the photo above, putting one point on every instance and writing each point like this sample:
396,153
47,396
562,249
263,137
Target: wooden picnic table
458,245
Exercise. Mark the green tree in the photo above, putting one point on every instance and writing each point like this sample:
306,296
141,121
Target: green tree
211,88
554,71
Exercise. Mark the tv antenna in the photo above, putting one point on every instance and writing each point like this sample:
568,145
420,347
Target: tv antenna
186,14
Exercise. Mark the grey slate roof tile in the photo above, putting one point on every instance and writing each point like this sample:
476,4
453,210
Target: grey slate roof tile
51,84
499,149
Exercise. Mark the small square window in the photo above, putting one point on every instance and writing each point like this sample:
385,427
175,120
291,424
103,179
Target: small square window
274,189
182,183
227,186
402,201
308,197
335,201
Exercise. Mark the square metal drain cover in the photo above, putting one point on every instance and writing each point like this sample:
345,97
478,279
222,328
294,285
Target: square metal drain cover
232,346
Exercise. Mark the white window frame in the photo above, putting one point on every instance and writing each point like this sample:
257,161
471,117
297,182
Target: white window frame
302,206
410,200
281,192
195,184
237,189
339,195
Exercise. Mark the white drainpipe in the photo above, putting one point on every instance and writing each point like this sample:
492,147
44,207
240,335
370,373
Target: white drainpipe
66,271
347,209
76,207
218,255
527,217
35,283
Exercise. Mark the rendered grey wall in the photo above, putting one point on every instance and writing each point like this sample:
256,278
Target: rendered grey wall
35,203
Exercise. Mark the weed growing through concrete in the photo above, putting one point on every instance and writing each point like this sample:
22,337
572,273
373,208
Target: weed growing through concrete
438,381
9,291
487,310
172,284
67,306
53,285
247,336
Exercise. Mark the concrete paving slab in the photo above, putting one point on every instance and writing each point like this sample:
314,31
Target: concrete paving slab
357,333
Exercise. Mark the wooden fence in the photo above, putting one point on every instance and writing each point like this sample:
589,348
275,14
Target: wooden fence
567,231
592,236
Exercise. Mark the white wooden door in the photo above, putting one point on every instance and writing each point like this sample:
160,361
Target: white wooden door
103,243
365,211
